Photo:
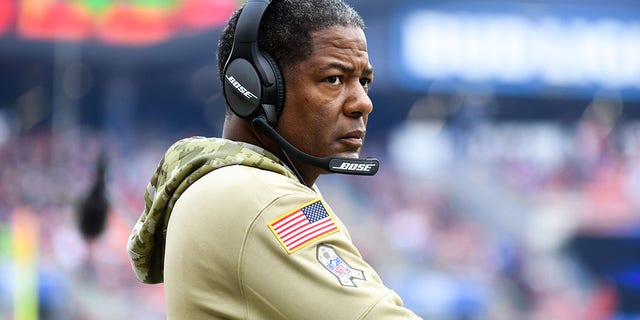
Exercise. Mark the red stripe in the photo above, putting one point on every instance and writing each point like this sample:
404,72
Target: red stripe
285,217
301,230
291,224
307,233
315,237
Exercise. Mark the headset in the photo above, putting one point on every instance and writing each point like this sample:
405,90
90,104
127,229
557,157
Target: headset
254,90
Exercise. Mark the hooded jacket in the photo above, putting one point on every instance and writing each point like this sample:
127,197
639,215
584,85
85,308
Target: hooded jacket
234,235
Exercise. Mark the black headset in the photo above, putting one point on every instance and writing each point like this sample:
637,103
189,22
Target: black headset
253,83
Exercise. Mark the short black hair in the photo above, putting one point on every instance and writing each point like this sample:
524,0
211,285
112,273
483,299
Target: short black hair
286,27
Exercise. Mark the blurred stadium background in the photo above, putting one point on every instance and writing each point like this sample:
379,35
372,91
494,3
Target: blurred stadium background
508,132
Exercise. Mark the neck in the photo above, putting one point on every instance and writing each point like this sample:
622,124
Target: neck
238,129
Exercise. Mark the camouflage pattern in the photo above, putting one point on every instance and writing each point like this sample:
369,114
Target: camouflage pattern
184,162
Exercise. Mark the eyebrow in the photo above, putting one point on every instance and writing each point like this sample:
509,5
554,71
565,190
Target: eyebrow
346,69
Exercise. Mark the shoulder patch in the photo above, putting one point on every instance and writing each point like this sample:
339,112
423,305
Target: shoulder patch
304,225
330,259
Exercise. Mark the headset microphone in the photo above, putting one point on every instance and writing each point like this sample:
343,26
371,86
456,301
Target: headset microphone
366,167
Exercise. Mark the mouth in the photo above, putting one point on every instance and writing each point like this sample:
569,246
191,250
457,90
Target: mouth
353,140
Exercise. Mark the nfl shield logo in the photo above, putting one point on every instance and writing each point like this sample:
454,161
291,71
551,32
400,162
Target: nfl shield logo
340,268
330,259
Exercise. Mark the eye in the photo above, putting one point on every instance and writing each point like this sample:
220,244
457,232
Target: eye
366,83
333,80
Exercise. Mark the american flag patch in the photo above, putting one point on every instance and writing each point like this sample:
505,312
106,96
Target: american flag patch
301,226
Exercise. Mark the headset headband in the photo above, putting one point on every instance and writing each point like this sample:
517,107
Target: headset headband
249,21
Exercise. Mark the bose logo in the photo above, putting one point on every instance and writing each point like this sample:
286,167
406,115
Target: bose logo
360,167
240,88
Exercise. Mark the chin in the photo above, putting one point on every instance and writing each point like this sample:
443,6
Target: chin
350,155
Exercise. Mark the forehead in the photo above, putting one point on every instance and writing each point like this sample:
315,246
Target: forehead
339,42
343,37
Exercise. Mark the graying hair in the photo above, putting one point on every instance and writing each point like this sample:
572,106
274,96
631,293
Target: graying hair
286,27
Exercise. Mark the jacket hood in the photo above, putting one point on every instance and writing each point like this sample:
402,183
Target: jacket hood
184,162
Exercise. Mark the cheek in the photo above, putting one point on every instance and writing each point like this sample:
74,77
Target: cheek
306,130
309,117
318,121
304,116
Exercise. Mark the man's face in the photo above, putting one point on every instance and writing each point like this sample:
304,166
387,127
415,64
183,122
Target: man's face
326,104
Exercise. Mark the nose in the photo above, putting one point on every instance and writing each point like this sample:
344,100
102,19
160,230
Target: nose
357,103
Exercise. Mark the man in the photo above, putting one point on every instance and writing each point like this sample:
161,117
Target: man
235,226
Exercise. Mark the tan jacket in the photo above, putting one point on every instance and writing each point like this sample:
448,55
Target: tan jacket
244,242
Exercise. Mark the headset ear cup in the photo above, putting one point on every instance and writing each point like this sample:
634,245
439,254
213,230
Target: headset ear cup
276,93
242,87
